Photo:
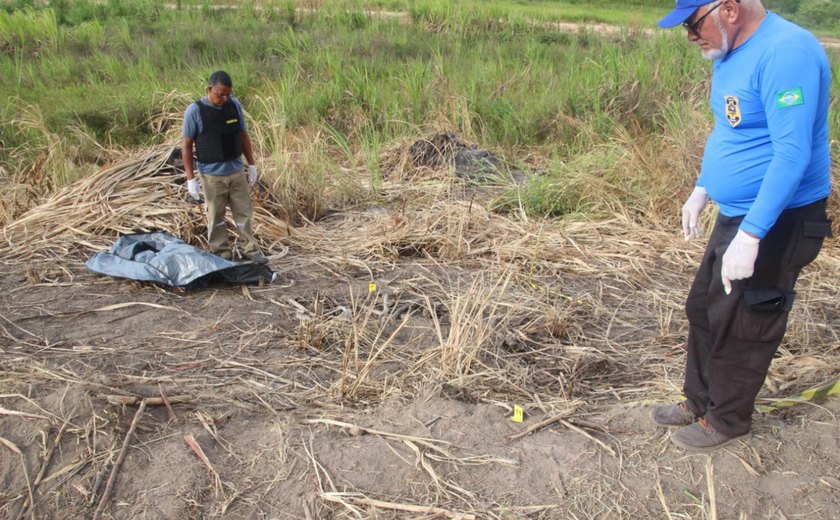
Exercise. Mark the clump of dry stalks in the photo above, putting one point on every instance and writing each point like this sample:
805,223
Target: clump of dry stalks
143,193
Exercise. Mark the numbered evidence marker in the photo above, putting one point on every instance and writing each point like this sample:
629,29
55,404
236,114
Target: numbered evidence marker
517,414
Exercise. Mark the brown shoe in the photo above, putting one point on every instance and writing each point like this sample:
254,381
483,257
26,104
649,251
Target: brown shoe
673,414
700,436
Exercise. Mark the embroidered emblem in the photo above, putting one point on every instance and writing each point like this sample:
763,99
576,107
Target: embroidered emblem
733,111
789,98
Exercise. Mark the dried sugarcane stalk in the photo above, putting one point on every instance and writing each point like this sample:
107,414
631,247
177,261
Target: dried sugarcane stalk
106,495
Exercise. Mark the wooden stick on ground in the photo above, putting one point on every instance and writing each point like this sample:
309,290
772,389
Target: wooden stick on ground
542,424
129,400
169,411
43,471
116,469
600,443
411,508
12,446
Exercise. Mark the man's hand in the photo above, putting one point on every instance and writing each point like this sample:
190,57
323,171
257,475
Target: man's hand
252,175
691,211
193,188
739,259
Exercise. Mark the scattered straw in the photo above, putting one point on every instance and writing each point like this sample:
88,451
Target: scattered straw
710,484
468,303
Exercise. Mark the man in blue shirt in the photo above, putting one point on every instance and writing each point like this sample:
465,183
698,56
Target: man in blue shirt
215,126
767,166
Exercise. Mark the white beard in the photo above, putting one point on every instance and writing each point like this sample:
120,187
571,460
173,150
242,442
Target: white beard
723,50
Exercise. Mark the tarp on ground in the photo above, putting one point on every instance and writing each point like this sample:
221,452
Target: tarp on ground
163,258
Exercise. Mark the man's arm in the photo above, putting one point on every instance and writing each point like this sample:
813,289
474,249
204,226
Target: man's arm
247,149
187,156
791,125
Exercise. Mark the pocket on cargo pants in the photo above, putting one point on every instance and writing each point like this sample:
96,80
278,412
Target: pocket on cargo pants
762,315
807,242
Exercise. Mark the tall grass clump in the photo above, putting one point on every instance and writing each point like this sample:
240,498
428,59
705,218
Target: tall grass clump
28,32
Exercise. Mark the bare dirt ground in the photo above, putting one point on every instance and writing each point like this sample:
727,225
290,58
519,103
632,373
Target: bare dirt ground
316,397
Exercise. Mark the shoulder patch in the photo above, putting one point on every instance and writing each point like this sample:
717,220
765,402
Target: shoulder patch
789,98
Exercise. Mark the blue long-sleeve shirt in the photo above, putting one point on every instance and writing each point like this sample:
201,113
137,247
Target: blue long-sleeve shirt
769,148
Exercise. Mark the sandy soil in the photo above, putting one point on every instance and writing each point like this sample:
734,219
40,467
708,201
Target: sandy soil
256,388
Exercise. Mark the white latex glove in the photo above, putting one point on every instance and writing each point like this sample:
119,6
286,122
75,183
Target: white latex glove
739,259
691,211
193,188
252,175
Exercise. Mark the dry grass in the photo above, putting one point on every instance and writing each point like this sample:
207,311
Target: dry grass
483,307
542,288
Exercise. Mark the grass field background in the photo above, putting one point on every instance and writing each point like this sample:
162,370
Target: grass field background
86,79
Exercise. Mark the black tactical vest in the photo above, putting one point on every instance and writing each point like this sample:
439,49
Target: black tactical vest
220,139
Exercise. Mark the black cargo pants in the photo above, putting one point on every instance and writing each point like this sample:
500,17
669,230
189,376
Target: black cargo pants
732,338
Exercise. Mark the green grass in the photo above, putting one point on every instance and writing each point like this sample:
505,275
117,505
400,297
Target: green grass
339,67
492,71
533,11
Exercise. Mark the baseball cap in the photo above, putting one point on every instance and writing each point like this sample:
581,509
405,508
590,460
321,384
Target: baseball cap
681,12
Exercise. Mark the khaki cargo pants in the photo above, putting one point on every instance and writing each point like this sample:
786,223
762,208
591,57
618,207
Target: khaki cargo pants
231,190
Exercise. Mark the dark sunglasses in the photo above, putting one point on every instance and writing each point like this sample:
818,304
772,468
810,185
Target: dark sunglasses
694,27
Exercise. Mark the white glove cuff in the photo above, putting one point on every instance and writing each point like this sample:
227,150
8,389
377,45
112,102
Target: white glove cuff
742,236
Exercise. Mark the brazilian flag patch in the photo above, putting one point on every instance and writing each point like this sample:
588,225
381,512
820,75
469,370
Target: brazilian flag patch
789,98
